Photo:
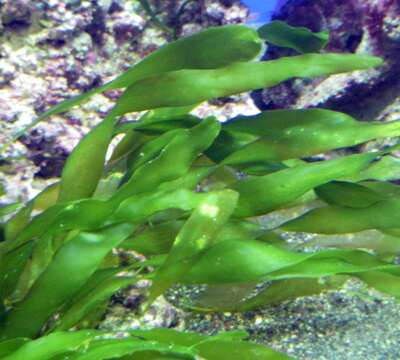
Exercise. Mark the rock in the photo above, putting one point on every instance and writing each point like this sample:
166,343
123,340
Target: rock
128,28
7,71
16,13
97,26
356,26
72,3
45,153
188,17
116,5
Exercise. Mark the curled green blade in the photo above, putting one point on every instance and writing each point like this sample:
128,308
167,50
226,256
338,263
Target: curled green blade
383,215
196,86
262,194
248,261
348,194
291,134
300,39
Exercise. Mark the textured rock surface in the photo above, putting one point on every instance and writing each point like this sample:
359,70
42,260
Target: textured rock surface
356,26
51,50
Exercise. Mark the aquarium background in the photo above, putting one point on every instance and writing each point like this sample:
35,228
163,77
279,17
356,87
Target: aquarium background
53,49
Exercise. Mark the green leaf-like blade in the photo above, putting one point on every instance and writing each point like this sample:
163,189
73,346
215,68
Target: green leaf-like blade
196,235
158,239
87,160
291,134
19,221
377,241
275,292
348,194
386,169
383,215
85,304
261,194
214,347
9,346
300,39
238,350
118,348
11,266
248,261
172,161
52,345
74,262
385,282
196,86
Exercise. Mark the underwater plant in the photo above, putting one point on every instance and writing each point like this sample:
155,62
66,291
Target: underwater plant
189,194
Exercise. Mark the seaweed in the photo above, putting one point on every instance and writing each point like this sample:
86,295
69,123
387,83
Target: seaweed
187,194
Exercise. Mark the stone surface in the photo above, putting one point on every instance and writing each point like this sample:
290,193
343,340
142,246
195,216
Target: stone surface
351,323
356,26
16,14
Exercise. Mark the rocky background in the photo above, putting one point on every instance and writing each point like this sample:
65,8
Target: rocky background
53,49
356,26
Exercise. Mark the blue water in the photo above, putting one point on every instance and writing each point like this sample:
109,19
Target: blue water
261,9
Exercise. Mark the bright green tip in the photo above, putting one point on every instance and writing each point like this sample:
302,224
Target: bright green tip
373,61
